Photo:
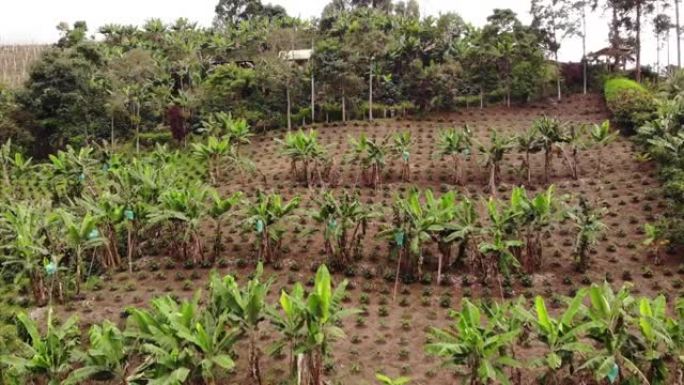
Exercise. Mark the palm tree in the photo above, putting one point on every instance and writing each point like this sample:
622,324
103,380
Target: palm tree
45,356
476,342
218,208
345,222
401,147
455,144
589,226
370,155
245,308
550,135
265,216
602,136
529,143
493,156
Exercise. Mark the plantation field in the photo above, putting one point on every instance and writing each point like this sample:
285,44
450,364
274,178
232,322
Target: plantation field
389,335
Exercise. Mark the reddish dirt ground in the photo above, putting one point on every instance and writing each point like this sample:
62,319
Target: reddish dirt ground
392,335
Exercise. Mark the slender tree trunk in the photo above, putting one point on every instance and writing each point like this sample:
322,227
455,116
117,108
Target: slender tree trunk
558,75
344,108
254,358
528,167
584,47
678,32
313,97
289,108
370,91
638,41
112,130
130,250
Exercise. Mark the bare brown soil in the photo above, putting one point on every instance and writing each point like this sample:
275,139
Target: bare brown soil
392,335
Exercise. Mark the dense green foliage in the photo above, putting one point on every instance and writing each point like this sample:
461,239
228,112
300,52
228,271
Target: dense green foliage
138,82
630,103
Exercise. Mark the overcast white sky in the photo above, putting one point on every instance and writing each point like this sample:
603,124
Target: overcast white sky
34,21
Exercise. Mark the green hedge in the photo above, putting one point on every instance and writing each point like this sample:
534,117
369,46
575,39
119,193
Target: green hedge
630,103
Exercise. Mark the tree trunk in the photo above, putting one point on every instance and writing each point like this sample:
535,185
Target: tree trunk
677,30
289,109
638,41
584,47
255,371
344,108
528,167
558,75
370,91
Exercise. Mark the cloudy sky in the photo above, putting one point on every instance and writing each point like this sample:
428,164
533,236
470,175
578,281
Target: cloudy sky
34,21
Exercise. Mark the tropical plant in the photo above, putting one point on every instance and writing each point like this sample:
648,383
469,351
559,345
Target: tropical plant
533,217
589,227
493,155
656,240
80,235
610,314
455,144
385,380
303,147
653,321
401,148
265,216
370,155
183,210
245,307
345,222
602,136
45,356
474,342
180,342
106,358
550,136
213,152
529,143
218,209
290,323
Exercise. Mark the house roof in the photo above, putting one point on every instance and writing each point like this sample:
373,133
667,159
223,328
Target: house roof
296,55
620,52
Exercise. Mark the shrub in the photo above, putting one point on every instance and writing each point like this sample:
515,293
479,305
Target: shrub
629,102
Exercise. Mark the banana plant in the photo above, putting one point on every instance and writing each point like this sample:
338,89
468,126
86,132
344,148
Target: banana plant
290,323
47,356
602,136
529,143
23,229
493,155
245,307
345,222
656,240
551,136
239,133
589,227
107,358
218,210
180,342
534,216
71,171
475,342
611,315
108,210
303,147
80,235
562,337
182,210
213,153
652,320
266,216
455,144
401,148
370,155
324,311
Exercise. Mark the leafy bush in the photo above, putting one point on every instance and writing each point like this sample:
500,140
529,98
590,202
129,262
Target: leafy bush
630,103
